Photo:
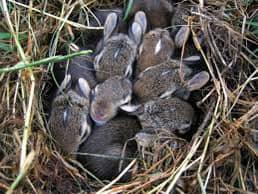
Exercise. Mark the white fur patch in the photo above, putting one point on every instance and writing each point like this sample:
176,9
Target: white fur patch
165,72
128,71
65,115
158,47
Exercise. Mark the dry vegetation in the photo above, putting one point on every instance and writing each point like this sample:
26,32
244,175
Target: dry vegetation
221,157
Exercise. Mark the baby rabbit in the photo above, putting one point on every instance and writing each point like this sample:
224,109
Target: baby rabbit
157,47
119,50
158,13
108,96
78,67
171,114
108,140
69,121
164,80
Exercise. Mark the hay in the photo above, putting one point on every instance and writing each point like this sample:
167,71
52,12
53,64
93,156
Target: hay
221,157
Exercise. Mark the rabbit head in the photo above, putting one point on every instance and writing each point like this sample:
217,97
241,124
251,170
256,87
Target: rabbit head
69,121
119,50
181,31
157,47
164,80
109,140
172,114
82,67
158,13
108,96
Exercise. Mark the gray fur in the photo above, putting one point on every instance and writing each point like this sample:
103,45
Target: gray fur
109,140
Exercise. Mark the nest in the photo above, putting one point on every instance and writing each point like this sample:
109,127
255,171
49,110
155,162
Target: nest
221,155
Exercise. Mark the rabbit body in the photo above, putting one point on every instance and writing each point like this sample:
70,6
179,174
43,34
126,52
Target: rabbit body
116,58
162,79
109,140
172,114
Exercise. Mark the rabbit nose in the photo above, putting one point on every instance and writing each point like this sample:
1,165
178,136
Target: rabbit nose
99,116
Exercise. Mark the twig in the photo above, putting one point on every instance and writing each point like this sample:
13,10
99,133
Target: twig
22,173
74,24
206,146
117,178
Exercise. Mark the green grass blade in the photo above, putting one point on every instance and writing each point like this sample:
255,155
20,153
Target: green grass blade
5,35
6,47
54,59
128,9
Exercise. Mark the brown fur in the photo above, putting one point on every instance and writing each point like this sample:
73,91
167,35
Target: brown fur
156,80
172,114
147,56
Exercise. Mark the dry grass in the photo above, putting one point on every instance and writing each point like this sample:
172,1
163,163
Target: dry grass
221,156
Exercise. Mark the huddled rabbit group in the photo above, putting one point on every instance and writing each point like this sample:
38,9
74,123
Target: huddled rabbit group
131,84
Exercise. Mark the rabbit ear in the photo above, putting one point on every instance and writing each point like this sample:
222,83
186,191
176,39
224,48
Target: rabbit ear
198,81
85,129
110,25
84,87
135,32
192,60
141,19
169,92
96,60
66,82
182,36
130,108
